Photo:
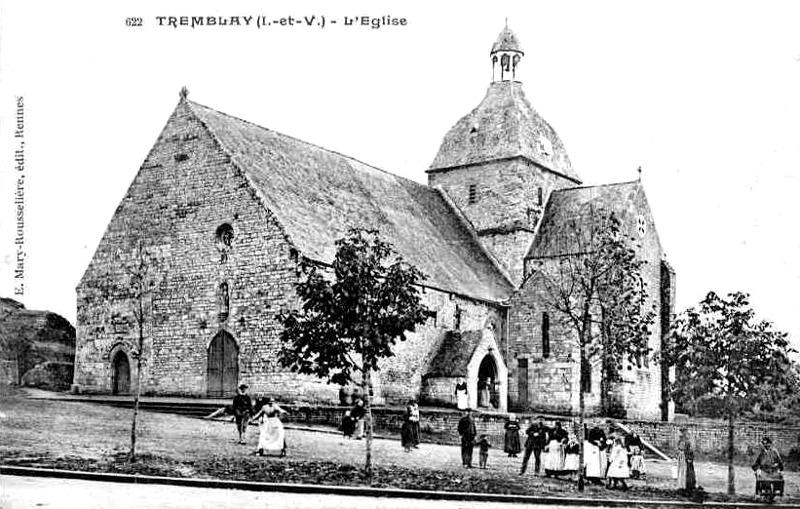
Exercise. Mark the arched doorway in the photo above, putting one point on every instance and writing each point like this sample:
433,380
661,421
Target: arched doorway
120,374
223,366
488,383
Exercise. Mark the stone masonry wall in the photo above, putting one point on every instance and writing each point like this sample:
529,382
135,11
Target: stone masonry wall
401,375
186,188
506,200
553,381
184,191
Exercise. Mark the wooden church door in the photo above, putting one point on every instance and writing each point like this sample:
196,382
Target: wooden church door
121,376
223,366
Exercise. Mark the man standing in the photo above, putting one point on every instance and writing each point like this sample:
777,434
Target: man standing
535,443
466,428
242,410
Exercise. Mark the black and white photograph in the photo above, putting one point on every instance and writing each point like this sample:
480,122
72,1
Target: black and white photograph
392,254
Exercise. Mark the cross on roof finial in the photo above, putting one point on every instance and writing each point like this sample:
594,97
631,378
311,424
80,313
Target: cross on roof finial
640,172
506,21
184,93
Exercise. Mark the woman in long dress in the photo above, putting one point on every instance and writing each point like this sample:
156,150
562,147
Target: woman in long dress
687,480
511,444
572,452
595,455
462,401
483,392
407,430
554,461
272,437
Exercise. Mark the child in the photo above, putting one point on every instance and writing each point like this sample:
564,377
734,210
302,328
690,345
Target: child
484,445
637,457
618,465
348,426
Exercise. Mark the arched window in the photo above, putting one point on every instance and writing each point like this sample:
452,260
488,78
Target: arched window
539,196
545,335
457,318
225,234
223,301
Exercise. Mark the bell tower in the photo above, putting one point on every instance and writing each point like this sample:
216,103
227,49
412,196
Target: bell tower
498,164
506,55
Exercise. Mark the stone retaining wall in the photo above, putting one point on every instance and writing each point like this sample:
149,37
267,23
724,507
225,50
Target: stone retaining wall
710,437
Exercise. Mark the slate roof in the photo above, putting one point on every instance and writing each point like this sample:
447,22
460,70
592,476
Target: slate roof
503,125
454,354
317,194
577,209
506,41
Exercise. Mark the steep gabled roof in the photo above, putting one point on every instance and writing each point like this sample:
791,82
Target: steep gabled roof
573,211
454,354
317,194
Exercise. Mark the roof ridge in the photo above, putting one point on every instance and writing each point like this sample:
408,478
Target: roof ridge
612,184
349,158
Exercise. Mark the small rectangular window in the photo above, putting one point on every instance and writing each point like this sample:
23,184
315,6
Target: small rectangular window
473,193
540,196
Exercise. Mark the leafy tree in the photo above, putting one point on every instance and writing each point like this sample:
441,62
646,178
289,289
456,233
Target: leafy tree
347,325
595,288
726,359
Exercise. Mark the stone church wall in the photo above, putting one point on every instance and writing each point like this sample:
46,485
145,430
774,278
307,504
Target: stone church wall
507,199
553,380
402,374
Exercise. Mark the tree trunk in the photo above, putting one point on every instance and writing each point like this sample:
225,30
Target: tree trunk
731,474
581,404
132,456
367,389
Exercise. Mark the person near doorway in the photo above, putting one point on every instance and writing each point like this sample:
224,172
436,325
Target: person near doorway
242,410
466,428
483,392
462,398
483,446
272,437
535,443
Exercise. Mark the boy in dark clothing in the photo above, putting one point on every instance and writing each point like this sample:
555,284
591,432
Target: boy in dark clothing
242,410
484,445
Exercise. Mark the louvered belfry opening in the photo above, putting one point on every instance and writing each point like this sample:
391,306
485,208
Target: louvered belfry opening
223,366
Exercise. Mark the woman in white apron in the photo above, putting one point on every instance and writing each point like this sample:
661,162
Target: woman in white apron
272,438
462,400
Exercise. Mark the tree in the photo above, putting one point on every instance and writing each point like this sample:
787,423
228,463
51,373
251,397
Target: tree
725,359
346,326
133,278
595,288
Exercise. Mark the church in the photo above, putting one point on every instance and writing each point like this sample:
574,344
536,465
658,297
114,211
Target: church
227,208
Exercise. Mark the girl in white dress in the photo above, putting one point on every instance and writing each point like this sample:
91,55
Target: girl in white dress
272,437
618,469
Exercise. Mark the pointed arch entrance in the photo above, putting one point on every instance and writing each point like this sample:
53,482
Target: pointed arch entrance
120,373
222,374
488,383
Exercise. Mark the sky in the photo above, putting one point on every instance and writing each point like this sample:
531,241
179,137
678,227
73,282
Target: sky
703,96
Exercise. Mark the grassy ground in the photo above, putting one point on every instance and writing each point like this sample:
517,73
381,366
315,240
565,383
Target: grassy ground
84,436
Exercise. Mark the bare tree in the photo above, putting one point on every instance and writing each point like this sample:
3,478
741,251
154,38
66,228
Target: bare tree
594,287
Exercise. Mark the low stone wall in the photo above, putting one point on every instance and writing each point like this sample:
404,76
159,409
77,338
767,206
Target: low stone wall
710,438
